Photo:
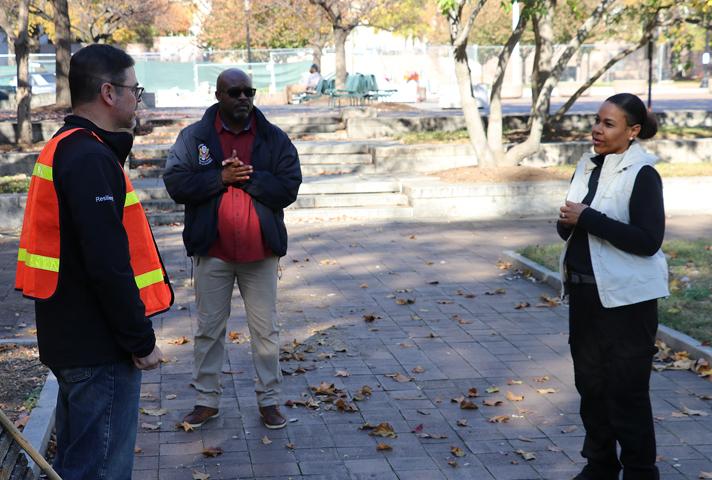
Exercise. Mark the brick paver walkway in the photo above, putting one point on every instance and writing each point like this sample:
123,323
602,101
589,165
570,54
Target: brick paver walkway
333,276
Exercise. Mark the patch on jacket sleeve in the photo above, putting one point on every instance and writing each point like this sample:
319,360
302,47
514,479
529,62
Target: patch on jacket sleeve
204,157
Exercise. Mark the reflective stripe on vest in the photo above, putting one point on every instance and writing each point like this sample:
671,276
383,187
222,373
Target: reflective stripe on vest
38,256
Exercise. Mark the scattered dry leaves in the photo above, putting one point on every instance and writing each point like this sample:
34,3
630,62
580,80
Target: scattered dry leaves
179,341
514,398
383,447
212,451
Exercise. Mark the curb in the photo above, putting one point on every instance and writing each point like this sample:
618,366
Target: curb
39,427
677,341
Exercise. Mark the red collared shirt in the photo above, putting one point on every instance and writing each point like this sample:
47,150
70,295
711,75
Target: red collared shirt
239,233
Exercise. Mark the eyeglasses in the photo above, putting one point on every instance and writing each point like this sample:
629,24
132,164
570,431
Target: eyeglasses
235,92
135,89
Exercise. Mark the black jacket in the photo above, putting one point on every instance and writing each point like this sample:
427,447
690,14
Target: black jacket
196,181
96,315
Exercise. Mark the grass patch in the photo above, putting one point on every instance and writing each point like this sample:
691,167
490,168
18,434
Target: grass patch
688,309
15,184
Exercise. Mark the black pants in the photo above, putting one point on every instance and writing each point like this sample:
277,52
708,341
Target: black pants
612,349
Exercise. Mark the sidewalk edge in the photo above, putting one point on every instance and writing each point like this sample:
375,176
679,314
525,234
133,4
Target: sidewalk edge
675,340
39,427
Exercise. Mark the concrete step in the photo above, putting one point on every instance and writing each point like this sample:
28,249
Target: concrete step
347,213
350,200
155,170
304,201
153,188
320,159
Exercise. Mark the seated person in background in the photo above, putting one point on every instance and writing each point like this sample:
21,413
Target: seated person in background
308,85
313,79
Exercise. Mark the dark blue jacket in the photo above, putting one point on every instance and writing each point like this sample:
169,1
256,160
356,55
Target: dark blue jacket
195,179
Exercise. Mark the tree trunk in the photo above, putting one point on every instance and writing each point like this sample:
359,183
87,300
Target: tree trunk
23,94
473,121
340,35
63,46
544,53
316,55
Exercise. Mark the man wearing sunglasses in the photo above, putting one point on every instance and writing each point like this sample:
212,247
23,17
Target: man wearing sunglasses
235,172
84,245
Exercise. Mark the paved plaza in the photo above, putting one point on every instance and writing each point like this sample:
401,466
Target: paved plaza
421,314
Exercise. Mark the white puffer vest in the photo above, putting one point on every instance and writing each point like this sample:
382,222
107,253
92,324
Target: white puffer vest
622,278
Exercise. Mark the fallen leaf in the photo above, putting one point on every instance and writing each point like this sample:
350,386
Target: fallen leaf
150,426
521,305
525,439
499,419
444,302
418,369
548,301
569,429
457,451
147,396
171,396
499,291
266,440
138,450
200,475
693,413
554,448
21,422
366,390
344,406
423,412
212,451
153,412
383,447
398,377
290,446
514,382
405,301
472,392
526,455
462,422
342,373
383,429
187,427
514,398
705,475
492,390
492,402
502,265
370,317
179,341
543,379
327,261
468,405
452,463
546,391
363,285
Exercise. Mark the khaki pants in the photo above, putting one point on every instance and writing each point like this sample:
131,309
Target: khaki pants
214,282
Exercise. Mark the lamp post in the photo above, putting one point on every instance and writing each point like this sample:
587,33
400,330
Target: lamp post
247,36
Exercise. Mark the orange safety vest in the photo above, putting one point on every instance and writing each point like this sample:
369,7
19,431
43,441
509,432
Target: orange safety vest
38,259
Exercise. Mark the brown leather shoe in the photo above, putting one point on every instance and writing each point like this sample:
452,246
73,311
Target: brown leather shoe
272,418
200,415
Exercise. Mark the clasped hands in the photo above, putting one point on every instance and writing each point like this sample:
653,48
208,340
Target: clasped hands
234,170
569,214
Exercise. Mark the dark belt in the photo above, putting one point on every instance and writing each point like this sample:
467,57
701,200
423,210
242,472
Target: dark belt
580,279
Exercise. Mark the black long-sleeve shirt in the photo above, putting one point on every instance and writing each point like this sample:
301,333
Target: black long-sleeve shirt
96,315
642,236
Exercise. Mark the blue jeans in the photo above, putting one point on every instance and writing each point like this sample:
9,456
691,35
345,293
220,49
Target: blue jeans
97,414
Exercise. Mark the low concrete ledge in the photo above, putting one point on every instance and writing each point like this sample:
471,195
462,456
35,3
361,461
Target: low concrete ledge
678,341
431,197
12,209
39,427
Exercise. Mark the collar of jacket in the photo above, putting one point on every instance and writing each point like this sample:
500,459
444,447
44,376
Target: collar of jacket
206,125
119,142
617,162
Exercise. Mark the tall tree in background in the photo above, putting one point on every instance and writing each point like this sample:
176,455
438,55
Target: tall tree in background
345,15
548,68
62,43
14,20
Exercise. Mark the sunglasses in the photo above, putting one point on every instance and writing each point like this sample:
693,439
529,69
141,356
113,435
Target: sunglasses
236,92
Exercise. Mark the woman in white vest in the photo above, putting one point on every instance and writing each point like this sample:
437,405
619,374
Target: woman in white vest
614,272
